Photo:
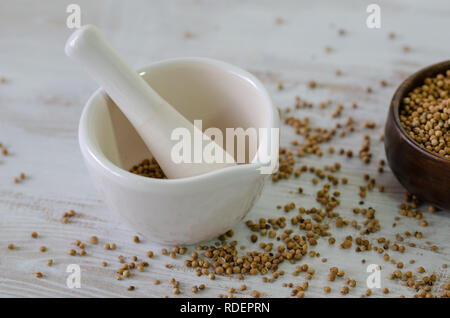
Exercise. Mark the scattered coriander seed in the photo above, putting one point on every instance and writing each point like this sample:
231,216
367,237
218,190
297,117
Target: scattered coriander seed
34,235
312,84
93,240
39,275
256,294
345,290
279,20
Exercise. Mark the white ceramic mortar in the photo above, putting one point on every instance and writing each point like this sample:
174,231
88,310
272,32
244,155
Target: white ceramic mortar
186,210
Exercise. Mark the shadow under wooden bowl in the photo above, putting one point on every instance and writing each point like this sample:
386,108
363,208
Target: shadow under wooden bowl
422,172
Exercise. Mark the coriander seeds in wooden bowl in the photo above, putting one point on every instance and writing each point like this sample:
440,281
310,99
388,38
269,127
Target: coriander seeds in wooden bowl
417,134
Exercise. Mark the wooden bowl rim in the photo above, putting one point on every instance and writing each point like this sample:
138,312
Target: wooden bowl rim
404,89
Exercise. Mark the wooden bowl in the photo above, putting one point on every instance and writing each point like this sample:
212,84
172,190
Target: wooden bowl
422,172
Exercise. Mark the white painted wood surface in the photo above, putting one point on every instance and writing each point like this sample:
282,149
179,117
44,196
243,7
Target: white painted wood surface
44,92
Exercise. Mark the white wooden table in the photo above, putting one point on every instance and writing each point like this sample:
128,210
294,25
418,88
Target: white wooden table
44,93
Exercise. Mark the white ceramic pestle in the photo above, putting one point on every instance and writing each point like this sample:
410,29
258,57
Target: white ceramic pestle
153,118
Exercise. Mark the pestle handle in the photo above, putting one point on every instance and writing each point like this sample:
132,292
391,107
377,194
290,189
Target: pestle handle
153,118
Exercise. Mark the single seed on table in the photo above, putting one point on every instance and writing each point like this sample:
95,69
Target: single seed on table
39,275
34,235
107,246
82,252
43,249
72,252
72,213
50,262
156,282
385,291
130,288
345,290
256,294
136,239
176,291
93,240
327,289
104,264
